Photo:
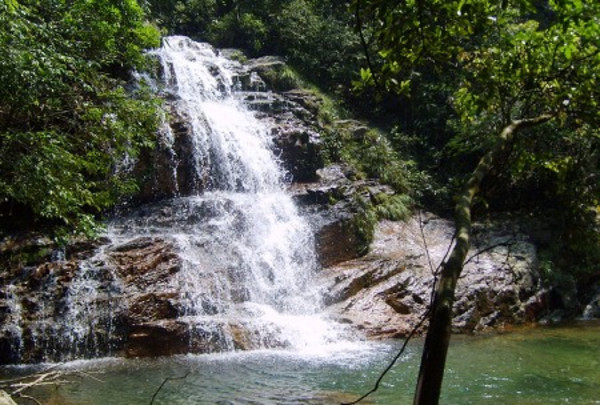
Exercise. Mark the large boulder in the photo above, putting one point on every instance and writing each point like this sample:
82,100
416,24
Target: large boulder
386,292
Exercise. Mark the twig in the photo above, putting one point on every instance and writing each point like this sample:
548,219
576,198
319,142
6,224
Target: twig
394,360
50,376
422,229
487,249
32,399
88,375
164,382
37,381
8,383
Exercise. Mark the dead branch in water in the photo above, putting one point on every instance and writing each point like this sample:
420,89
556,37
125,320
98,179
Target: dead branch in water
16,387
164,382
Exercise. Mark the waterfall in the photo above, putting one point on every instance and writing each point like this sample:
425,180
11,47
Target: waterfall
248,257
225,263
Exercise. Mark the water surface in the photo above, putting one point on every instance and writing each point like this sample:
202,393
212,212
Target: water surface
544,365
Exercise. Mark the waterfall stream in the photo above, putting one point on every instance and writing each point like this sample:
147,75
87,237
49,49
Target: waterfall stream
225,263
248,257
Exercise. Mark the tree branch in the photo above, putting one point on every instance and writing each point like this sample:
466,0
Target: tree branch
363,42
487,249
164,382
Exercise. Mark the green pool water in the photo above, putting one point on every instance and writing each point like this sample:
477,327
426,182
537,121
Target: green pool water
544,365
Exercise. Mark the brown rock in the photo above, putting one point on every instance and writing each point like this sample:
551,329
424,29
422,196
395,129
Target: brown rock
145,261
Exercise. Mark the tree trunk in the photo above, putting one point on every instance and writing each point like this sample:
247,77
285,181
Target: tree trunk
433,360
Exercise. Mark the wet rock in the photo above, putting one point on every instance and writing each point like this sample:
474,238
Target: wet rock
299,150
333,207
145,262
386,292
164,171
267,72
180,336
152,306
338,241
263,86
159,338
292,119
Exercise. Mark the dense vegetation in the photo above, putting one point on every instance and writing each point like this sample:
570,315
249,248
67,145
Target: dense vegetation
67,117
440,79
524,73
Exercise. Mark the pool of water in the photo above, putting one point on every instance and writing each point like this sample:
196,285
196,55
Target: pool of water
544,365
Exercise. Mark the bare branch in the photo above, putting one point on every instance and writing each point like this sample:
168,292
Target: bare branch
487,249
30,398
164,382
422,230
41,378
394,360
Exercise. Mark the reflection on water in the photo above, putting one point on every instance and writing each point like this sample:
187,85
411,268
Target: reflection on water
535,366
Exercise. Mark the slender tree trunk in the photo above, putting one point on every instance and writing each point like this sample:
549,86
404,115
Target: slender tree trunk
433,360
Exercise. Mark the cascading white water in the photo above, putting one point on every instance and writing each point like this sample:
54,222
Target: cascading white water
248,257
232,150
241,260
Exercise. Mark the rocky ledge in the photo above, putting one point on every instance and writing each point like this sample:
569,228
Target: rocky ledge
131,307
386,292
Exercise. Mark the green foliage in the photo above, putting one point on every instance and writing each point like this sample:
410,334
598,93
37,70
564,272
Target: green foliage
325,49
184,17
316,37
370,154
241,30
371,208
66,121
393,207
282,78
485,64
288,79
363,223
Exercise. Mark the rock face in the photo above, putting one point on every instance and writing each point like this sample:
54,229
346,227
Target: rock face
33,294
262,86
385,292
120,297
129,307
332,210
